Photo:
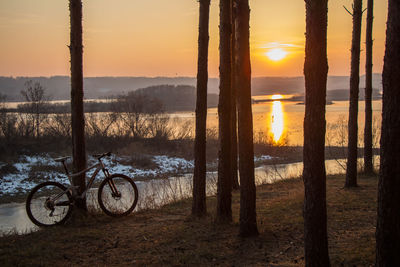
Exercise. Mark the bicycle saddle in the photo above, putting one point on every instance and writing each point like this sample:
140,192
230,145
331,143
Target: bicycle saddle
61,159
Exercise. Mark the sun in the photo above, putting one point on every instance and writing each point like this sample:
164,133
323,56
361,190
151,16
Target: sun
276,54
276,97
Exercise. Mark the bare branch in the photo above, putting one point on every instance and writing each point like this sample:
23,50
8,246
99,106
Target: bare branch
351,14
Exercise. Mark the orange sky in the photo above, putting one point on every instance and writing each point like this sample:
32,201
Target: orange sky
159,37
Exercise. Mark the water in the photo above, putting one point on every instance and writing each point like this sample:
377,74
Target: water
13,219
280,115
16,104
287,117
154,193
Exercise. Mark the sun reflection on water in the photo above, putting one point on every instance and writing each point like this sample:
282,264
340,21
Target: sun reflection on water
277,120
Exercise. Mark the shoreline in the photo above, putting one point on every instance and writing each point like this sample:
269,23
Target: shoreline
178,168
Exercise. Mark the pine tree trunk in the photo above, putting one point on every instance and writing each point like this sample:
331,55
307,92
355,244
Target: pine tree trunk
248,220
388,225
199,178
224,209
77,113
351,170
234,162
368,165
314,175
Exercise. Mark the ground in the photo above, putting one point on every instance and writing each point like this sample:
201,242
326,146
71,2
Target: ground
171,237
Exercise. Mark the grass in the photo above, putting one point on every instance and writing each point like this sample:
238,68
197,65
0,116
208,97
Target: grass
7,169
170,236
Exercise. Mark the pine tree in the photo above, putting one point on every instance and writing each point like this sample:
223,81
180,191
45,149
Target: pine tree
199,178
351,170
77,113
224,197
248,220
314,175
388,225
234,152
368,165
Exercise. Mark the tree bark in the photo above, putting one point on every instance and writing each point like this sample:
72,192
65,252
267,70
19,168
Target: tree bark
224,209
351,170
248,218
234,162
368,164
199,178
314,175
388,224
77,113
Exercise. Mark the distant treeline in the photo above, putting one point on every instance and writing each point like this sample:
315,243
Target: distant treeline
175,98
59,87
169,98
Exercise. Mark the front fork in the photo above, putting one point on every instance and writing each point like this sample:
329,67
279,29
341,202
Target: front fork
114,191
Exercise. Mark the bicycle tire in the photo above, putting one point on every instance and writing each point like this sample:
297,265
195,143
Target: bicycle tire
43,213
122,205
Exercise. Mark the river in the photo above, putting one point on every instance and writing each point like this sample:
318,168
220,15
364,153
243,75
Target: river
158,192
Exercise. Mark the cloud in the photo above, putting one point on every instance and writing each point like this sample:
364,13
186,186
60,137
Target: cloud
279,45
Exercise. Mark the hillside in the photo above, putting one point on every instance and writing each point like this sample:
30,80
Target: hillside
176,98
102,87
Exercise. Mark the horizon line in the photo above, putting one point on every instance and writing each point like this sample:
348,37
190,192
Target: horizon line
169,77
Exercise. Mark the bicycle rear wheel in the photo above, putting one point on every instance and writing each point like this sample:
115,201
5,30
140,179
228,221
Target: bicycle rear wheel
117,195
49,204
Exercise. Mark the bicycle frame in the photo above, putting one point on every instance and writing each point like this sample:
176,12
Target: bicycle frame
99,166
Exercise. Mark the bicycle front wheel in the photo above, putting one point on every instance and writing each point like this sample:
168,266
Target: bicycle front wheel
118,195
48,204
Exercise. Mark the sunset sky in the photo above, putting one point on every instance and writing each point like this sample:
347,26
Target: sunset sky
159,37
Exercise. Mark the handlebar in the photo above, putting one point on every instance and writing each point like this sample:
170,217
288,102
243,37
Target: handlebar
99,156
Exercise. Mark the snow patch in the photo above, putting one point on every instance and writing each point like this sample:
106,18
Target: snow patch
263,157
167,164
20,182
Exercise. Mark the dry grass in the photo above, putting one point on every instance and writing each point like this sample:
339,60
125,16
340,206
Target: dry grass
169,236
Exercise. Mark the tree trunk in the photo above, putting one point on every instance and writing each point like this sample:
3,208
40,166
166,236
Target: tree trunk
224,209
368,165
248,220
77,113
388,225
314,175
351,170
199,178
234,162
37,122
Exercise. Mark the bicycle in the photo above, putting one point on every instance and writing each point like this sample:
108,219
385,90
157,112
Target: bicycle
51,203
